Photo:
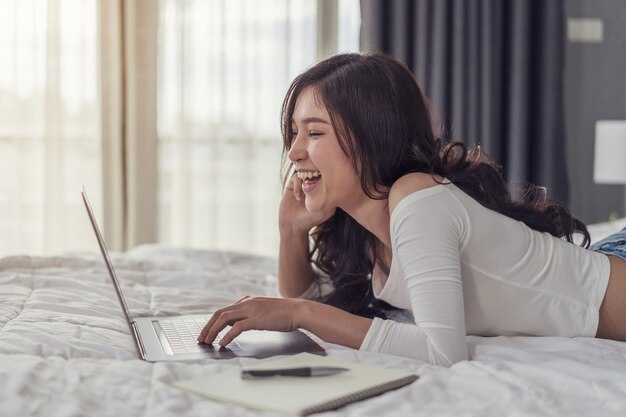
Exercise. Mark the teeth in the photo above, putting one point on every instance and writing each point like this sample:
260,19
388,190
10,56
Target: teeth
308,174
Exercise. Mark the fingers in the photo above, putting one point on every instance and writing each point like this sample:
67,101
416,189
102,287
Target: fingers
237,328
214,327
294,185
289,186
205,330
203,336
213,320
250,313
244,298
223,317
297,188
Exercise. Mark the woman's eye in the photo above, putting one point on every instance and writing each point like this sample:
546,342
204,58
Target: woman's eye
314,133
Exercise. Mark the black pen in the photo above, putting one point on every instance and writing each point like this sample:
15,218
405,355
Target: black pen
303,371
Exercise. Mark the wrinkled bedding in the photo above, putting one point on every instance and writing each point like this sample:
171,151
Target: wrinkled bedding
66,350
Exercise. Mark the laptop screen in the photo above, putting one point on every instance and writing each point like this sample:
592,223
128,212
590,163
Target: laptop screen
105,255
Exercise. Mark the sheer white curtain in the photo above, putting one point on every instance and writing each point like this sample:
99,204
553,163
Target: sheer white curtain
79,94
49,140
224,67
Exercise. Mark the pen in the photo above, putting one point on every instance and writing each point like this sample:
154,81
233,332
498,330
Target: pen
304,371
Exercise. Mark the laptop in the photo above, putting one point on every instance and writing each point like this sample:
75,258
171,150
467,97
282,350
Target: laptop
174,338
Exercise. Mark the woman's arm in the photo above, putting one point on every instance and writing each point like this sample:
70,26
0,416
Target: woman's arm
286,314
295,273
426,238
332,324
426,248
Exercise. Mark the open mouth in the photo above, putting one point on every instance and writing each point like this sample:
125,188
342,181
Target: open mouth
309,177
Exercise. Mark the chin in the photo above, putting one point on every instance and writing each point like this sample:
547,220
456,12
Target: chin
313,206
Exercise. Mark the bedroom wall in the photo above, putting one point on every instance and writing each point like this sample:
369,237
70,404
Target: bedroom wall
595,89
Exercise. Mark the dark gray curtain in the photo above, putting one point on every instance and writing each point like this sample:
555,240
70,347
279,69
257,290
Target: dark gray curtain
492,70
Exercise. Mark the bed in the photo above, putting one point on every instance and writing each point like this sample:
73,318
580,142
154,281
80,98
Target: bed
66,350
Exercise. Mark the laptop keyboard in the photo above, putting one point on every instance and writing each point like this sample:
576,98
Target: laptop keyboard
182,333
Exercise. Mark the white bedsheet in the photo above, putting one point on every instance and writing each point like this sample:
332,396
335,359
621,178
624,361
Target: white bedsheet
66,350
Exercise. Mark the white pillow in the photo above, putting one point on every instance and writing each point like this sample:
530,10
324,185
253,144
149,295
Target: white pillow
601,230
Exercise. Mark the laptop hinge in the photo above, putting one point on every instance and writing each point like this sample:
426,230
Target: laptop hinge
138,341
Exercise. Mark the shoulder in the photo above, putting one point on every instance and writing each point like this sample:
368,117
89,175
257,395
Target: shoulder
408,184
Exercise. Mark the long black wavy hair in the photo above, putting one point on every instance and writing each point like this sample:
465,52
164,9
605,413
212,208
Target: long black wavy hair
383,123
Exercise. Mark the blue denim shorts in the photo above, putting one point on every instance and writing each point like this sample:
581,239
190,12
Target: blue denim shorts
613,245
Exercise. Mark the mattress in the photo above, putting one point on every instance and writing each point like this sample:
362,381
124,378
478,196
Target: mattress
66,350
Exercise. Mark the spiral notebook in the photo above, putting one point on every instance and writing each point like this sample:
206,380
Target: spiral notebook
300,395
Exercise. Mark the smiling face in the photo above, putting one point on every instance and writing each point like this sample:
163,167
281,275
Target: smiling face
328,173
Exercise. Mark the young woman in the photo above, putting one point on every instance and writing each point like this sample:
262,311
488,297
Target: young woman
399,220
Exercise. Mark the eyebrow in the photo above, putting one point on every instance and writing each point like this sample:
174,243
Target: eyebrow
313,120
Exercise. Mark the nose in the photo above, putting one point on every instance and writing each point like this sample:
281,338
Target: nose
297,152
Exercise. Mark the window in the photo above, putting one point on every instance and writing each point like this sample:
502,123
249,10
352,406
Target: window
224,67
71,83
49,140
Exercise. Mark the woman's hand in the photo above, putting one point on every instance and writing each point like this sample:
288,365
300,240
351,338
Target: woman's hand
287,314
293,215
251,313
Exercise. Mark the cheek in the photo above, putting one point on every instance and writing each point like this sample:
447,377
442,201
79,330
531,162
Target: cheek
334,165
348,172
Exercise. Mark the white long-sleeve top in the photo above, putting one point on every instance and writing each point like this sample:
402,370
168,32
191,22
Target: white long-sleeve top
461,268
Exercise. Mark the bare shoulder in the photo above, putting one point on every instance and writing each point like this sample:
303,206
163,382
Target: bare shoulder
408,184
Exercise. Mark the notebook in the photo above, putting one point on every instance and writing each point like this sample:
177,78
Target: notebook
299,395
